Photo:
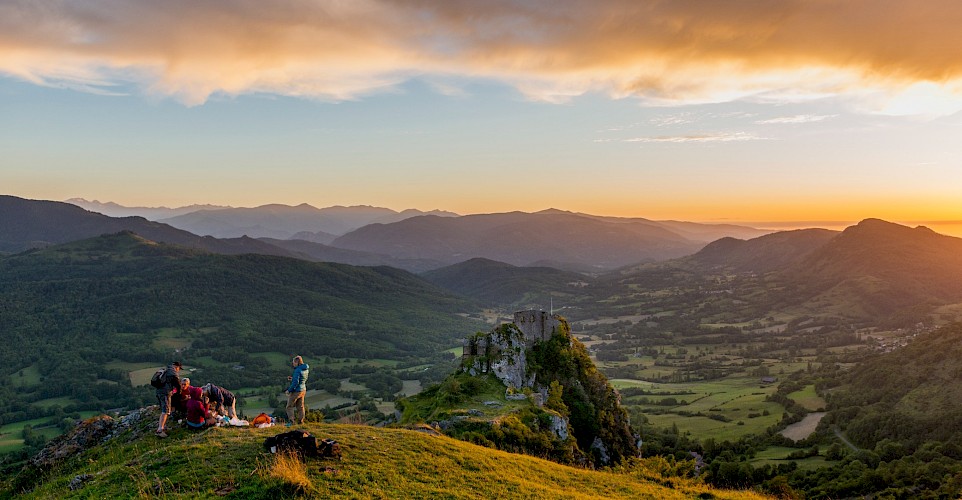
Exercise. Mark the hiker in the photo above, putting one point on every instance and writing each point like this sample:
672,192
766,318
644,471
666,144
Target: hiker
179,400
170,384
297,391
198,415
220,400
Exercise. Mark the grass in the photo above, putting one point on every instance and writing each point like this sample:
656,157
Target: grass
291,469
776,455
142,376
275,358
377,463
410,387
31,376
62,401
314,400
808,399
347,385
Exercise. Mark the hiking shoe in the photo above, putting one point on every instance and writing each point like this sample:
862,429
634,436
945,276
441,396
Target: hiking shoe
161,434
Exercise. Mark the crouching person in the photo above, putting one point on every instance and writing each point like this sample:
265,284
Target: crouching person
220,400
198,415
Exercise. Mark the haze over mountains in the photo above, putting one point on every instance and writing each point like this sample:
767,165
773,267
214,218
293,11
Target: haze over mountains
150,213
26,224
419,241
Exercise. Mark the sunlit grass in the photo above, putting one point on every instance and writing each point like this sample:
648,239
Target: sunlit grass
377,463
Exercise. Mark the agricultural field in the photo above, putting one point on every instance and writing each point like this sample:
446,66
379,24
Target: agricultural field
808,399
777,455
723,409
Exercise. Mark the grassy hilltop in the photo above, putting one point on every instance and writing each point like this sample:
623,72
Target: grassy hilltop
376,463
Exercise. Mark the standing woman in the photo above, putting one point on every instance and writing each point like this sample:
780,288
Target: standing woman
296,391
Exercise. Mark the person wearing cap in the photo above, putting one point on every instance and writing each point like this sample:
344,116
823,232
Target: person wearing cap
296,391
171,385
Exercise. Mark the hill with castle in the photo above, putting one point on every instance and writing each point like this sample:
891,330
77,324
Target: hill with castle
530,386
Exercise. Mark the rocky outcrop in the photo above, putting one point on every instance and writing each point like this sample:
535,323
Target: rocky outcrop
559,426
537,351
500,352
94,431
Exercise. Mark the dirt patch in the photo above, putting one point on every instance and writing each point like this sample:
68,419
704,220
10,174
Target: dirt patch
801,430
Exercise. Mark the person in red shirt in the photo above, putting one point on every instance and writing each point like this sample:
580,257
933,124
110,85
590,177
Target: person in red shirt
198,415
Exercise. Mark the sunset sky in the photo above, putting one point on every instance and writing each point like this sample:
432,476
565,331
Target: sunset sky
707,110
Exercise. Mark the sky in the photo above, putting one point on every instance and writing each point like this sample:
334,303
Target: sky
702,110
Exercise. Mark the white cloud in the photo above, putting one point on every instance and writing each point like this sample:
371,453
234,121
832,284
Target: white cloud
697,138
795,119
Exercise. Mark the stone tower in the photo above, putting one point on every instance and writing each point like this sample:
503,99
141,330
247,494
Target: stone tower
536,324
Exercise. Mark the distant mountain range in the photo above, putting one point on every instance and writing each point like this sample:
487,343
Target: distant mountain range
150,213
873,269
305,222
568,240
552,238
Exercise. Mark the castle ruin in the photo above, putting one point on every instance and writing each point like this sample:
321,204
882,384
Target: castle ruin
503,350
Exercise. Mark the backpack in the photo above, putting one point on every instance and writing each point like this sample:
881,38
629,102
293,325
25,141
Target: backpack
329,448
157,380
298,442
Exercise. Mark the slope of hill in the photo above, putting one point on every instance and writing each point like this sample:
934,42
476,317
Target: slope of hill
325,253
767,253
883,268
519,238
901,411
284,221
694,231
911,395
34,223
873,273
314,237
376,463
150,213
120,299
500,284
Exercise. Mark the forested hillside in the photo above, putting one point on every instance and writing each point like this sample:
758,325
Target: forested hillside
72,316
500,284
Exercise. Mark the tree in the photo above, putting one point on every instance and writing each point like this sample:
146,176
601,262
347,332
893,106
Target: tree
555,399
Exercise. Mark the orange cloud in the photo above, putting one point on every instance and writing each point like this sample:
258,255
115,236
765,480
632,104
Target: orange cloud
660,50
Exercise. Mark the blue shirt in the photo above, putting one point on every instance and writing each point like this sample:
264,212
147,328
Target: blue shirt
299,378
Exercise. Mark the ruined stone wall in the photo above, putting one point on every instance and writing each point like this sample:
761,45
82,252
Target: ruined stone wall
536,325
503,351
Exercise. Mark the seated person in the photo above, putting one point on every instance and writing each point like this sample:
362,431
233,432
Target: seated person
198,416
220,400
179,400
